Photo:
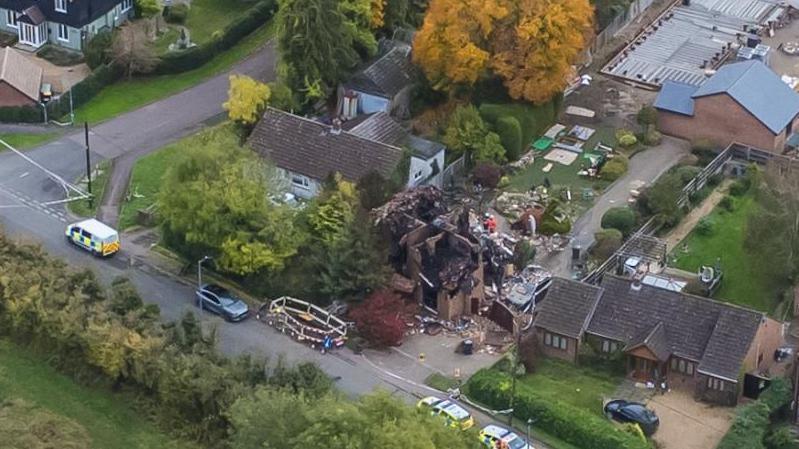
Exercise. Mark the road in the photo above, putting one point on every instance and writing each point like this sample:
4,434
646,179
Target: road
645,167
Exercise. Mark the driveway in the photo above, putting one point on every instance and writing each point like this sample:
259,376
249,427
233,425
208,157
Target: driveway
689,424
645,167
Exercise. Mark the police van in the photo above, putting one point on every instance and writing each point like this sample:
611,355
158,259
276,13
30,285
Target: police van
94,236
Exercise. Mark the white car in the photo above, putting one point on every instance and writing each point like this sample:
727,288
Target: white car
456,416
496,437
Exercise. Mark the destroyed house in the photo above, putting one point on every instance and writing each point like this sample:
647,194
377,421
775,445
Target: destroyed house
708,347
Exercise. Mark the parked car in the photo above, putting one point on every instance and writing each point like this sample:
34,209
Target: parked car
498,437
93,236
456,416
221,301
632,412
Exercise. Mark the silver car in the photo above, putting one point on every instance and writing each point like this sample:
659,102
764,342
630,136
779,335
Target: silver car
221,301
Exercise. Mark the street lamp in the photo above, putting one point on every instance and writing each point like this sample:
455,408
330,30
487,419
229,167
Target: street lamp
529,423
200,281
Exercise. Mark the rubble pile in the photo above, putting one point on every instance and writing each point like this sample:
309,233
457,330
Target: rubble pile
527,159
513,204
402,213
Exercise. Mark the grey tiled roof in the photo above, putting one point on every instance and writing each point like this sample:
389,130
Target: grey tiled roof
79,12
388,75
313,149
676,97
382,128
758,90
715,334
655,339
567,307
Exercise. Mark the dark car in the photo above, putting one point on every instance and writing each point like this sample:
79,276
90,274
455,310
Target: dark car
633,412
221,301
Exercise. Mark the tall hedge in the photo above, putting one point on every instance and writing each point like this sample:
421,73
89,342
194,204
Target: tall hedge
565,421
534,120
510,134
193,58
752,420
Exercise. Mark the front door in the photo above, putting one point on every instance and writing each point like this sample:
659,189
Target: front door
32,35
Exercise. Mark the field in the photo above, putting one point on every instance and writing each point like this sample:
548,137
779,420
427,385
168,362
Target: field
742,284
38,405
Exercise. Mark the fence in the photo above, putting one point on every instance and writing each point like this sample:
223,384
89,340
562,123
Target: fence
699,181
454,170
619,22
612,262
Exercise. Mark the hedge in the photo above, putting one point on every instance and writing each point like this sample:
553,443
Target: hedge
564,421
534,120
621,218
510,134
195,57
752,420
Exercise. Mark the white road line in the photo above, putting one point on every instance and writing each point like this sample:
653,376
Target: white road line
24,175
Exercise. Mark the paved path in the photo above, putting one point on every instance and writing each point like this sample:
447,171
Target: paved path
645,167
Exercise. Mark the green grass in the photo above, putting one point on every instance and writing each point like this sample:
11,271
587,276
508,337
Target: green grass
580,386
205,17
560,174
743,283
23,141
534,120
81,207
127,95
441,382
107,417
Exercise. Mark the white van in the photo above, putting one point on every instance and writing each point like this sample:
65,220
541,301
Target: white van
94,236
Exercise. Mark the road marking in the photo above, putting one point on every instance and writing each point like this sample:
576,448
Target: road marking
24,175
32,204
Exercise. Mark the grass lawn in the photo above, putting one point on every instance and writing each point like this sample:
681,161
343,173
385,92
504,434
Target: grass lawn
125,96
560,174
81,207
205,17
742,283
106,417
23,141
579,386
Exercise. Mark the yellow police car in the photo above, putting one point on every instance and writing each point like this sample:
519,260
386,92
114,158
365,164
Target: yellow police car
497,437
94,236
456,416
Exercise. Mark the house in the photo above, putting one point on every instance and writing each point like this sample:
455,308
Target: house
67,23
306,151
427,158
383,86
744,102
695,343
20,79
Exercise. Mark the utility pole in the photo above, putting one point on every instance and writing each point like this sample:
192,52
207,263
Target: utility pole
71,109
200,282
517,326
88,163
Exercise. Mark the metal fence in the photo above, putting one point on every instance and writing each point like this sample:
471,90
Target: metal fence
453,171
595,276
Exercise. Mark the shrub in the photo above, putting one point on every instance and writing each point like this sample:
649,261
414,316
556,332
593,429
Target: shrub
652,137
607,242
573,425
647,116
614,168
626,138
703,145
533,120
282,97
687,173
523,254
379,319
727,204
177,13
487,174
705,227
621,218
752,420
21,114
739,188
550,226
510,134
96,50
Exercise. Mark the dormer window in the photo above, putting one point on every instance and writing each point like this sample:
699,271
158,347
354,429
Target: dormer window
61,5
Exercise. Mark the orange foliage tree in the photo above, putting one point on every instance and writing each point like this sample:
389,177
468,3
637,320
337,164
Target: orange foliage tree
529,44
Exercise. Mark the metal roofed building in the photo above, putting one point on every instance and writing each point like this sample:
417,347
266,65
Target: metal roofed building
689,39
743,102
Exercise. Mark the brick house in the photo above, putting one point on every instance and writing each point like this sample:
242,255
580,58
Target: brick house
20,79
743,102
691,342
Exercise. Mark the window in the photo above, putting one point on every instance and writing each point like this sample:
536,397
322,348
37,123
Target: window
715,384
63,32
609,346
126,5
301,181
556,341
61,5
11,19
417,175
682,366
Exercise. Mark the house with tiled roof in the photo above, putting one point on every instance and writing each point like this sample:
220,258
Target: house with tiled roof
66,23
709,347
20,79
744,102
307,151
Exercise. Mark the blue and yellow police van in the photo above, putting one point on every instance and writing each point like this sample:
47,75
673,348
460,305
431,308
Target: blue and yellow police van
99,239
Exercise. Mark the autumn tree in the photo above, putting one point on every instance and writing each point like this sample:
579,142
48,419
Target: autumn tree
379,318
247,99
529,44
132,51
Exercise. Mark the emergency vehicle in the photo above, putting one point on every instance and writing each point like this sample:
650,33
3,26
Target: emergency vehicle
93,236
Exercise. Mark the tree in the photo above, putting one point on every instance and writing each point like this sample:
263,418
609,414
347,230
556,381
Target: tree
377,19
510,133
150,9
97,50
621,218
487,174
374,190
315,44
214,201
529,44
467,134
380,318
607,241
661,199
359,20
647,116
132,51
247,99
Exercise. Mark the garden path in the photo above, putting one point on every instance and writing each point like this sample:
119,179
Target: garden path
690,221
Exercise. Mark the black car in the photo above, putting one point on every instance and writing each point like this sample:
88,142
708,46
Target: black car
221,301
633,412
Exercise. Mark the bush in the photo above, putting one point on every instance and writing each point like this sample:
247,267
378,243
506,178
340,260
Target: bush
177,13
255,17
739,188
652,137
282,97
607,242
510,133
647,116
727,204
620,218
487,174
687,173
96,50
752,420
573,425
705,227
21,114
551,226
626,138
534,120
523,254
379,319
614,168
703,145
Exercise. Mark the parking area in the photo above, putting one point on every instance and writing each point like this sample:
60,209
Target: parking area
688,424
